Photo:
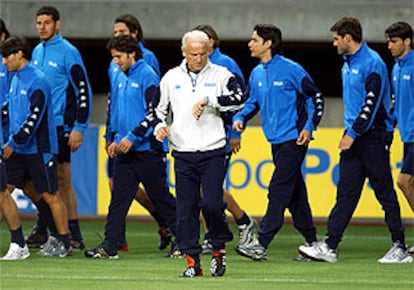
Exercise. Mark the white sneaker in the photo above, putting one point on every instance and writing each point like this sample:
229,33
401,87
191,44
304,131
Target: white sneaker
247,233
253,250
16,252
49,245
396,255
411,250
206,247
319,251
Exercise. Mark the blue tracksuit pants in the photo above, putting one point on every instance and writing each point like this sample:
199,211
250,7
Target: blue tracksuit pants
287,190
131,169
195,171
367,158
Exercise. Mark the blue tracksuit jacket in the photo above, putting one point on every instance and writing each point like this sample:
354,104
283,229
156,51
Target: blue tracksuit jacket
402,81
287,98
66,73
32,126
137,96
115,77
219,58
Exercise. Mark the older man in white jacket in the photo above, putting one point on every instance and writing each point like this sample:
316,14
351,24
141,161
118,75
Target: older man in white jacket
197,91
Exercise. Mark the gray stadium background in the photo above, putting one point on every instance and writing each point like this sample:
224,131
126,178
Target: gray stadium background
304,23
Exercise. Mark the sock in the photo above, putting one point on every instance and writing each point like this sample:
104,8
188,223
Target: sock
65,239
41,223
75,230
17,237
46,213
244,220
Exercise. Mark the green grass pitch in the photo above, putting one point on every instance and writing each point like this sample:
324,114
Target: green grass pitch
146,267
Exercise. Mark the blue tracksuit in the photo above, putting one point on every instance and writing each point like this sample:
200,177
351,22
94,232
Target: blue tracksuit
402,81
114,74
66,73
4,84
3,179
150,58
219,58
367,119
5,77
138,95
289,102
32,125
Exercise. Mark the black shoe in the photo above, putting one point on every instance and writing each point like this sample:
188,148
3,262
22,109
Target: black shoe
77,245
174,252
36,237
193,269
165,237
218,264
101,252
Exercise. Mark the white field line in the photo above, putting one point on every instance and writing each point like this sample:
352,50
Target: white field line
227,279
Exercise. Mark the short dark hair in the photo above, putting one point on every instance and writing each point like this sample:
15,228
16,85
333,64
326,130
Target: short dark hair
3,29
272,33
211,33
132,23
15,44
348,25
49,10
125,43
400,29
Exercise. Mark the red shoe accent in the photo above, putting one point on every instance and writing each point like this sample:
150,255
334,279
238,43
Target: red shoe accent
218,253
123,248
190,261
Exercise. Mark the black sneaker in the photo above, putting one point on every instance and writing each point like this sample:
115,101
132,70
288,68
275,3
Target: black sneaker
193,269
101,252
77,245
165,237
218,263
174,252
36,237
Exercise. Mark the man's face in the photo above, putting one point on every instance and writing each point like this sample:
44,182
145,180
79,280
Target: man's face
340,43
196,55
123,59
13,61
396,46
258,47
120,28
46,27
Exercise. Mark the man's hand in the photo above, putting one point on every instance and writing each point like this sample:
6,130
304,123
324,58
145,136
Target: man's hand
124,146
107,144
303,138
234,145
198,108
346,142
7,152
75,140
162,133
112,150
238,126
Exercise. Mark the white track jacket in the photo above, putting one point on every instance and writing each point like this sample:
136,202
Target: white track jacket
180,91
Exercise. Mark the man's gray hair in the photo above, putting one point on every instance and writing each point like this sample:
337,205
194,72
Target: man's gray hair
195,36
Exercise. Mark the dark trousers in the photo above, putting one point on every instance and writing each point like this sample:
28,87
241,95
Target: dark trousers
129,171
195,171
367,158
287,190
